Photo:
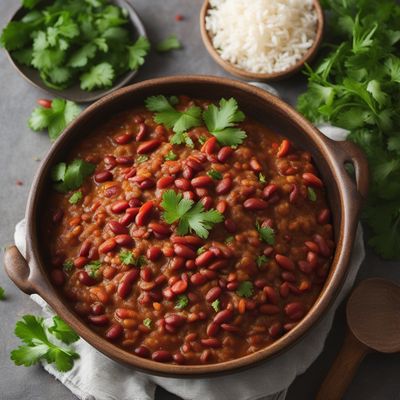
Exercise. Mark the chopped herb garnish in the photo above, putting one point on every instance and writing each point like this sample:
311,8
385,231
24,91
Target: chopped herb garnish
200,250
312,195
68,265
214,174
141,159
202,139
221,122
128,258
76,197
171,156
262,178
182,138
181,302
92,268
216,305
71,176
266,234
261,261
39,346
2,293
229,240
245,289
147,322
191,217
168,44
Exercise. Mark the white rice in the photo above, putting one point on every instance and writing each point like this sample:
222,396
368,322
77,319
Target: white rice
262,36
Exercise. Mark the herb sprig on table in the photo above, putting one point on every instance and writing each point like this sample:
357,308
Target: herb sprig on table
71,41
39,344
356,87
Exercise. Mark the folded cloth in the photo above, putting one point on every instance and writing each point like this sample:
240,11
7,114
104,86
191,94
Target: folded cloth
95,377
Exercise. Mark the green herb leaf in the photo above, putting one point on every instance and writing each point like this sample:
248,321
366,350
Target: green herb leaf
200,250
68,265
191,217
2,293
147,322
92,268
99,76
202,139
267,234
212,173
245,289
221,122
71,176
312,195
229,240
62,331
216,305
262,178
171,156
76,197
182,138
261,261
168,44
128,258
137,53
181,302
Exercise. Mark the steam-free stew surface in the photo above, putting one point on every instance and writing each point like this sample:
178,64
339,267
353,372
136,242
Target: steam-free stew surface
180,298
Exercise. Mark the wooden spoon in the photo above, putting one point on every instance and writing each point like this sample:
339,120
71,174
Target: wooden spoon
373,318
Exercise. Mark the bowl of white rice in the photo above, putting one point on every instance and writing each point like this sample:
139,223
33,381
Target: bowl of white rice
262,40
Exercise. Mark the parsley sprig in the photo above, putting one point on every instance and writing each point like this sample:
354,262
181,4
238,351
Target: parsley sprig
191,216
245,289
266,234
128,258
38,344
181,302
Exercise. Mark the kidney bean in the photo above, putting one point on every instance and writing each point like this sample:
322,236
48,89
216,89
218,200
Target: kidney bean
57,277
230,328
269,191
210,146
85,248
141,132
312,246
142,351
114,332
188,240
160,228
111,191
154,253
80,262
194,164
312,180
103,176
324,250
128,218
213,294
312,259
146,274
130,173
275,329
45,103
165,182
201,192
224,186
207,202
269,309
217,265
179,358
225,153
184,251
177,263
117,227
294,310
204,259
99,320
288,276
202,181
179,287
221,206
272,295
168,293
125,138
161,356
255,165
255,204
125,286
324,216
213,329
57,216
107,246
97,309
144,213
198,279
232,286
124,160
175,320
187,172
109,162
223,316
285,262
148,147
284,148
182,184
260,283
119,206
124,240
230,225
147,184
211,342
86,279
305,267
284,290
294,194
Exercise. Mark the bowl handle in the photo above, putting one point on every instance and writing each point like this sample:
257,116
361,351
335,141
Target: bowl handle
348,152
17,269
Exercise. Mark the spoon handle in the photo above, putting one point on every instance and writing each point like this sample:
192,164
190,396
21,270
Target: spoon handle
343,369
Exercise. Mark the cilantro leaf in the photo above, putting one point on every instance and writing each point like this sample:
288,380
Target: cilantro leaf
128,258
181,302
221,122
191,217
141,158
312,195
216,305
168,44
99,76
138,52
82,56
182,138
212,173
2,293
38,346
245,289
92,268
147,322
71,176
266,234
262,178
200,250
76,197
261,261
68,265
171,156
229,240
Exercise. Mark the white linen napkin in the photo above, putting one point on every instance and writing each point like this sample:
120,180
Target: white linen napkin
96,377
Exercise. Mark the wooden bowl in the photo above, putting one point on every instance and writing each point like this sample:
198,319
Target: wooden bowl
345,196
75,93
275,76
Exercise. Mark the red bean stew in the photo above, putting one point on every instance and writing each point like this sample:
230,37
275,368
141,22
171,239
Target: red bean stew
195,252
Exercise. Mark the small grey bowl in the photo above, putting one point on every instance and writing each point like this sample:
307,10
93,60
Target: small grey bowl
75,93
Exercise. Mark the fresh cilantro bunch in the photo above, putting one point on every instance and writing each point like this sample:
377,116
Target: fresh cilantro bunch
54,118
356,87
191,217
39,343
75,40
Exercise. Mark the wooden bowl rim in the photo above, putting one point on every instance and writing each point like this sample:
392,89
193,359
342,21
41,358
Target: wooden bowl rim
229,67
75,93
348,217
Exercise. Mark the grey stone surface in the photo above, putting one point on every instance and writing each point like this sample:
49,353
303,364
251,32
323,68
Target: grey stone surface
378,376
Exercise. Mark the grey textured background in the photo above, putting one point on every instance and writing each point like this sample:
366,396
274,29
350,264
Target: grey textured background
378,377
